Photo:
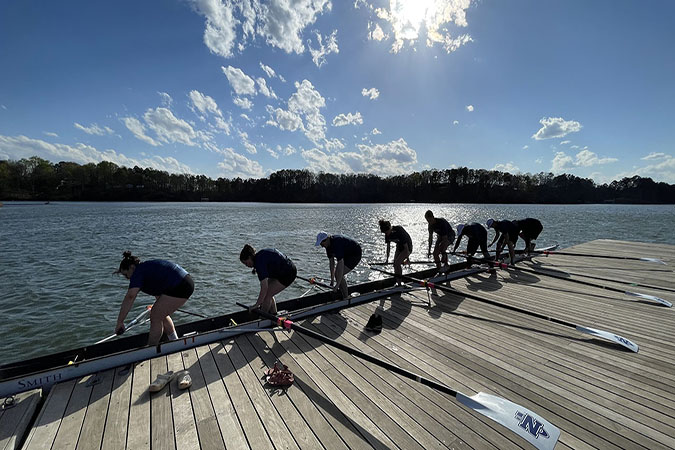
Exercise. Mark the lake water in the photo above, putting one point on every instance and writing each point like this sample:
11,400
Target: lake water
57,291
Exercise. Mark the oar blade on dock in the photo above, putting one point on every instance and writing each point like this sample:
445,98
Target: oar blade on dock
520,420
650,297
630,345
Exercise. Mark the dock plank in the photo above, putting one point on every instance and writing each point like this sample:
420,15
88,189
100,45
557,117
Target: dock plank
43,433
138,434
14,419
161,414
117,420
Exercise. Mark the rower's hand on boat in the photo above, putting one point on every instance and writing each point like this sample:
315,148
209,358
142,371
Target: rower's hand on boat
119,329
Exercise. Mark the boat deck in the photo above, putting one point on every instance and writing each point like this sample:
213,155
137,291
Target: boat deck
599,394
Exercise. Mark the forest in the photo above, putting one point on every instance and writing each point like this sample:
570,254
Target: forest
38,179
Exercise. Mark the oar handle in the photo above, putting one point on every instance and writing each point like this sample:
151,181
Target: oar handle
289,324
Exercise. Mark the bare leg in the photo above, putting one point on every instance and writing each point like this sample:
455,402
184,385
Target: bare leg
163,307
399,257
269,303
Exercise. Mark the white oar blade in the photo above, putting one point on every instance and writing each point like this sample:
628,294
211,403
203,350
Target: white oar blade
654,260
630,345
526,424
650,297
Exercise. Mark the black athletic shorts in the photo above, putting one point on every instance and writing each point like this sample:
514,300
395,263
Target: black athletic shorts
352,261
288,277
184,289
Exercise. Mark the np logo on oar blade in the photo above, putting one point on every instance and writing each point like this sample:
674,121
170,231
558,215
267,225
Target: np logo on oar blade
531,425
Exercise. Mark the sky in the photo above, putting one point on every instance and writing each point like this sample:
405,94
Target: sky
246,88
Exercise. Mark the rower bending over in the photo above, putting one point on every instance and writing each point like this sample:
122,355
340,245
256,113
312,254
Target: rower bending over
346,251
507,233
167,281
477,236
445,237
404,246
275,271
529,230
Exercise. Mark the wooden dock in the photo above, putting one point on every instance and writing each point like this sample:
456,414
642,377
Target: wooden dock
599,394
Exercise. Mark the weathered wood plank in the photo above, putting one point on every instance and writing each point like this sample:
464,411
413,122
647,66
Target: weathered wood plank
161,415
117,421
185,429
138,435
14,420
47,423
91,436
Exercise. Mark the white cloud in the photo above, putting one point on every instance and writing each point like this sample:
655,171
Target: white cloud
3,107
307,102
333,144
371,93
50,134
347,119
556,127
375,32
654,156
525,147
284,120
168,128
282,22
138,129
375,132
455,122
243,102
18,147
264,89
393,158
166,99
408,20
94,129
508,167
469,108
331,46
565,142
288,150
235,165
585,158
220,33
659,171
246,143
206,106
272,153
241,83
268,70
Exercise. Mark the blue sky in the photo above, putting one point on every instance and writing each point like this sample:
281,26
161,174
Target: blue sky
245,88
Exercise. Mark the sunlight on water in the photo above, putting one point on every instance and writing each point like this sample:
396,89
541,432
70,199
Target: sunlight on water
56,260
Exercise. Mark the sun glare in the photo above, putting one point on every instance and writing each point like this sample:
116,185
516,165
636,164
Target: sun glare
410,14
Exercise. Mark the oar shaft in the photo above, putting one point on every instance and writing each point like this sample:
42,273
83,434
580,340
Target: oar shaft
586,255
481,299
314,281
289,324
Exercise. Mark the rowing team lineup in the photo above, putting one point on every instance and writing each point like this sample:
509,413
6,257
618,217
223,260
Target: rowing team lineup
172,285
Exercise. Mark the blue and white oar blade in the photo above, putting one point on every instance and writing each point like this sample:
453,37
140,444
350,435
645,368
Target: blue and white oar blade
650,297
526,424
630,345
654,260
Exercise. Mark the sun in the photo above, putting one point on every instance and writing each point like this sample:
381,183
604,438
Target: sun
408,16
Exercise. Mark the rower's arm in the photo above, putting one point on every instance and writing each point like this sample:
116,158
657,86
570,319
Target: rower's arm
339,272
263,292
332,270
431,240
388,248
495,239
127,303
459,239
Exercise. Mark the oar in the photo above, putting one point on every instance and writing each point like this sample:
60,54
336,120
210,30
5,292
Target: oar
391,263
599,333
590,255
525,423
587,283
314,281
192,314
131,324
630,283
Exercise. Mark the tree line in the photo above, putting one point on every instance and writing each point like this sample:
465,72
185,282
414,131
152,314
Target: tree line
38,179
